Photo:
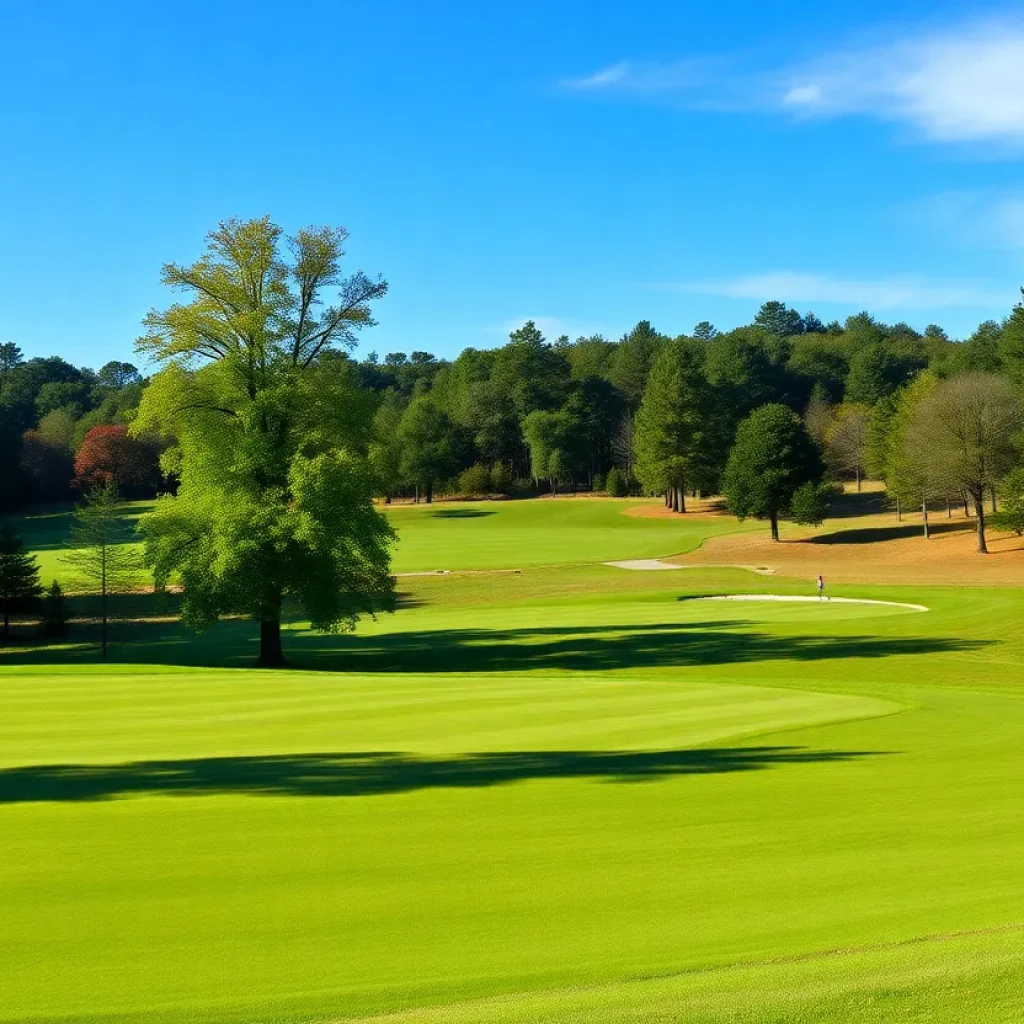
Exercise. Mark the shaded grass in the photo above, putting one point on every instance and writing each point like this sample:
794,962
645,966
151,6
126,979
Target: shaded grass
560,796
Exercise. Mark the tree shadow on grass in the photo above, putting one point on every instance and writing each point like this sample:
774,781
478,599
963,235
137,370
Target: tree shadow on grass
870,535
382,772
461,513
579,648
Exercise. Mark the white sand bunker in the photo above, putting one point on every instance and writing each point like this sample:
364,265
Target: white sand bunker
813,600
653,564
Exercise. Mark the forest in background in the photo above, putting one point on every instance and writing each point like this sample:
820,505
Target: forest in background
532,415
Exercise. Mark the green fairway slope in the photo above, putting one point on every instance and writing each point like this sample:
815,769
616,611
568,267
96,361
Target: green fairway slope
471,535
518,534
563,796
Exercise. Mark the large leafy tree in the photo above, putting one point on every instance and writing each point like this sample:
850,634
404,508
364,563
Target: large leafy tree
905,455
270,432
773,457
19,577
967,430
557,445
109,453
846,440
428,444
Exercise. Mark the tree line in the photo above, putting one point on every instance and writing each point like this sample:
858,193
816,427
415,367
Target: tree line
269,439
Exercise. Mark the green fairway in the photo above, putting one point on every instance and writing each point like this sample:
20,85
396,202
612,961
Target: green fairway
562,796
518,534
472,535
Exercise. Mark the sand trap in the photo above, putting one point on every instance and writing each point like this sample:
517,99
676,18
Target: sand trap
815,600
654,564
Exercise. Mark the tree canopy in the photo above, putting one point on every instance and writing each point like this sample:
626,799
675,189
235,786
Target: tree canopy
269,433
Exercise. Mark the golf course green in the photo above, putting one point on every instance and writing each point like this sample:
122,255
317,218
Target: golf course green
565,794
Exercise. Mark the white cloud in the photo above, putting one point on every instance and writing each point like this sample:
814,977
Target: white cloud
641,78
962,83
955,85
878,293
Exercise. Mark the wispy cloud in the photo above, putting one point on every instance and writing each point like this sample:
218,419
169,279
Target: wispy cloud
877,293
985,218
647,78
962,83
955,85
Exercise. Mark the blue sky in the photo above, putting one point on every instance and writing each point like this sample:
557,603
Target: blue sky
583,164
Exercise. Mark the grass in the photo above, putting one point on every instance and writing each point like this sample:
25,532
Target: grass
562,796
469,535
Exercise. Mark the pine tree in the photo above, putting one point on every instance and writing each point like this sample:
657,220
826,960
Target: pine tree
54,611
101,551
674,429
19,577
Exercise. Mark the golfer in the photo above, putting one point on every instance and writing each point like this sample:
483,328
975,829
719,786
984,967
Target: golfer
821,588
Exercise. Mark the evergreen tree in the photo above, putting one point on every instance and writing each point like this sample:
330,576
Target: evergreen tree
1010,345
675,428
773,456
19,577
54,611
101,550
778,319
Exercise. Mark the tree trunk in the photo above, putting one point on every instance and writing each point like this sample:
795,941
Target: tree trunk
775,525
103,603
979,504
271,652
7,623
429,498
924,517
995,507
899,511
858,479
387,499
967,509
949,509
675,499
416,494
682,499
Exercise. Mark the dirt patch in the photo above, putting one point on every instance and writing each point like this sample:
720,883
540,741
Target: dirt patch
696,508
874,549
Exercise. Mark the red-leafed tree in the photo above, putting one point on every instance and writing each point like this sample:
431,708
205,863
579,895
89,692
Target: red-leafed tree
109,454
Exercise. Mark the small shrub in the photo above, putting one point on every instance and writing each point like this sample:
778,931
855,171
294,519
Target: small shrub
54,611
502,480
598,483
475,480
616,483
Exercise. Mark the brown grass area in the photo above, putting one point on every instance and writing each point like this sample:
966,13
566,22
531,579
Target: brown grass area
695,507
866,543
